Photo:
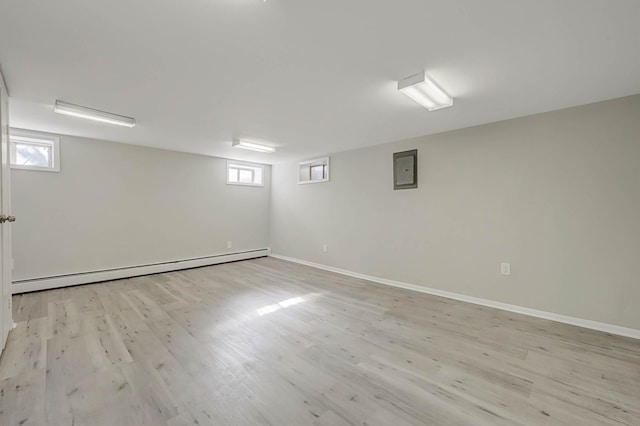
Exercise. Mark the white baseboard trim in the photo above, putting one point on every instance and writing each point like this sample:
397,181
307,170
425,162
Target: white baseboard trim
594,325
46,283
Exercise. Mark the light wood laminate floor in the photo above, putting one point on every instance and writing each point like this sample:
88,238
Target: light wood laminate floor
271,342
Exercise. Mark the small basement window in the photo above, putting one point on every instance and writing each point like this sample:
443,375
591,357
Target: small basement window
240,173
314,171
34,151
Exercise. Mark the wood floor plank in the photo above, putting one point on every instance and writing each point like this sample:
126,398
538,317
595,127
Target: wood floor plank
29,306
22,397
104,344
26,349
268,342
64,318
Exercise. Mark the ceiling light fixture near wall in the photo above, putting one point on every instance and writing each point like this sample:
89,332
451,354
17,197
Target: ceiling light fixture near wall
425,91
93,114
253,146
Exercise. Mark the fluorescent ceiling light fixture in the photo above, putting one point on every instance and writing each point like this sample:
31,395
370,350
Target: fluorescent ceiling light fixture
425,91
93,114
253,146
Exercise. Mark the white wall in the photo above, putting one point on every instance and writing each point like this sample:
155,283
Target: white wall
115,205
557,195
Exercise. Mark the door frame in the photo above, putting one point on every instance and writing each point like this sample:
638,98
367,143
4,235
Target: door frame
6,319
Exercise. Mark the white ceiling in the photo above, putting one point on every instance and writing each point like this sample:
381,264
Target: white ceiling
310,77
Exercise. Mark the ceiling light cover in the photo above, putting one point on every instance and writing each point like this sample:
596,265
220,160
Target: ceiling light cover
425,91
253,146
93,114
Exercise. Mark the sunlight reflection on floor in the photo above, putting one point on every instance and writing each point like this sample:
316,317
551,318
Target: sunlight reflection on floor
280,305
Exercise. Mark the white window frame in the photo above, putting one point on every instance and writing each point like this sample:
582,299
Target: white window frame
35,138
243,165
324,161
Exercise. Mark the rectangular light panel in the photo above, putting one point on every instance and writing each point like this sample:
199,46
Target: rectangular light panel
93,114
253,146
425,91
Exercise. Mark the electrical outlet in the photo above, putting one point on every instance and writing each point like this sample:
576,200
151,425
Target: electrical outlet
505,268
325,248
229,245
